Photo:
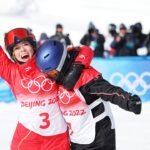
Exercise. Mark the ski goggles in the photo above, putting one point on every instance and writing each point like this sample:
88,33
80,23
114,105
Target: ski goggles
53,74
17,33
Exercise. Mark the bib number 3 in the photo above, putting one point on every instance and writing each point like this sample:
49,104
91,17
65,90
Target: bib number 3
45,120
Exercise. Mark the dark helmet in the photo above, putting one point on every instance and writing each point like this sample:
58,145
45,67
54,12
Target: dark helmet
122,27
91,25
111,27
59,25
16,36
91,30
137,27
43,36
51,56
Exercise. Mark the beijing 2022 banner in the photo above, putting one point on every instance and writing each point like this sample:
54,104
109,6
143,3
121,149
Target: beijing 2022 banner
130,73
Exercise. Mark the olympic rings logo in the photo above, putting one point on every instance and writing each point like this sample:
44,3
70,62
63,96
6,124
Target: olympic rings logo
37,84
137,81
65,93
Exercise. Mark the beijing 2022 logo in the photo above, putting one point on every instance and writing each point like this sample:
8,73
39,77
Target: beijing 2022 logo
132,82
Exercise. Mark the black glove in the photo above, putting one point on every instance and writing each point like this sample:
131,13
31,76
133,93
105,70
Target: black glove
135,104
72,76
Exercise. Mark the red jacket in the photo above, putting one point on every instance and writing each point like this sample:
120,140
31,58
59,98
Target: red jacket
35,94
84,56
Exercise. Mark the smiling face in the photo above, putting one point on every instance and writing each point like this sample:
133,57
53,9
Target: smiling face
23,51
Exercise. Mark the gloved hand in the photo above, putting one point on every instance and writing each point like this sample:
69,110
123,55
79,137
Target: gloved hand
135,104
72,76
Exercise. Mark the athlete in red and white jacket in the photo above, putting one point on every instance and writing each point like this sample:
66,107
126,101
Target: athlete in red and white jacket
41,125
84,97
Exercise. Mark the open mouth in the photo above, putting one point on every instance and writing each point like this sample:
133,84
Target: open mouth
26,56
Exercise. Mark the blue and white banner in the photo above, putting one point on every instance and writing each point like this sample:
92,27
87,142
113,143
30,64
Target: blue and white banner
6,94
130,73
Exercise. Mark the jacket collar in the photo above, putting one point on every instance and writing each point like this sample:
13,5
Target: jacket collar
29,67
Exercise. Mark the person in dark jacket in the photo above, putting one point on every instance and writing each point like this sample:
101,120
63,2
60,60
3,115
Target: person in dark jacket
112,29
132,40
119,40
43,38
84,95
109,38
147,44
135,39
95,40
60,36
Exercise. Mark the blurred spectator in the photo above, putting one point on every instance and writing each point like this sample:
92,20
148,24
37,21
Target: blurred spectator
137,30
112,29
95,40
109,38
122,30
60,36
147,44
128,45
145,50
91,25
135,39
43,38
119,40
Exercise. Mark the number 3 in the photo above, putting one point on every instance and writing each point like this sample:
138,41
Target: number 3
45,120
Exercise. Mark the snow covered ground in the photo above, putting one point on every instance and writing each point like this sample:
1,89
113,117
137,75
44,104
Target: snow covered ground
133,131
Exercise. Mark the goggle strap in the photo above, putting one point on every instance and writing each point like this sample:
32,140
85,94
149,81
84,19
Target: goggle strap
63,58
16,40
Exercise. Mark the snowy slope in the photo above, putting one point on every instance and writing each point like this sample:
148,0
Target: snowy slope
133,131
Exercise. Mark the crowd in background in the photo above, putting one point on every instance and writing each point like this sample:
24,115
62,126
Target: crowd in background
121,41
